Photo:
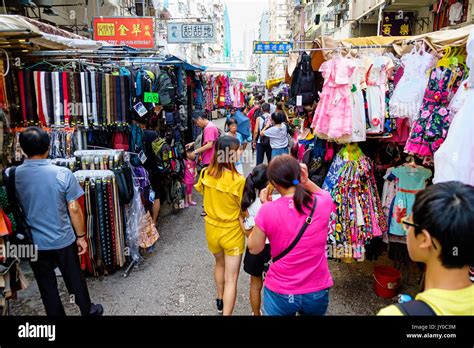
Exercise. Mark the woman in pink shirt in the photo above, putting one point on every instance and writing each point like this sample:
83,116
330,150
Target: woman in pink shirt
299,282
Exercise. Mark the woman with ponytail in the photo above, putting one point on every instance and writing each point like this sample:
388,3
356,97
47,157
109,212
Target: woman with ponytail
254,264
298,282
222,188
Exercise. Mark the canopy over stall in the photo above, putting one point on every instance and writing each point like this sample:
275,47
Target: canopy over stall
320,48
21,33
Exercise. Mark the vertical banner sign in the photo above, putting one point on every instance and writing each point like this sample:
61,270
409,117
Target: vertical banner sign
397,23
137,32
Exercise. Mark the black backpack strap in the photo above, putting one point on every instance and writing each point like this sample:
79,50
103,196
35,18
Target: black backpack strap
10,184
298,237
416,307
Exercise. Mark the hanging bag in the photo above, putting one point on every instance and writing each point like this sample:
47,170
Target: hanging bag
307,222
22,234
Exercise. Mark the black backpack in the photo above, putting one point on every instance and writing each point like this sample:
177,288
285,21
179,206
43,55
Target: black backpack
415,307
263,139
22,234
165,88
305,82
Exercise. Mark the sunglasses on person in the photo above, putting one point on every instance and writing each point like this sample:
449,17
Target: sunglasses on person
407,224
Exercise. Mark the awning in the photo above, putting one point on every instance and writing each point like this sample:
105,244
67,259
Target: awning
176,61
21,32
269,84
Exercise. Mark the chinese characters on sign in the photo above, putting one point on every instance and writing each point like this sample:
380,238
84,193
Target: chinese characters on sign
272,47
397,23
137,32
191,33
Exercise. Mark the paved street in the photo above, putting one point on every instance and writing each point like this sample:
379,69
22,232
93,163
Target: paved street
177,279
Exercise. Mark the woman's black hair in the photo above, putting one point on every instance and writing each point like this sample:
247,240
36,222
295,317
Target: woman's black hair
446,211
230,121
278,117
283,171
257,180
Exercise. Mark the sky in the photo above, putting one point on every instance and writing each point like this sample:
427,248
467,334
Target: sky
244,14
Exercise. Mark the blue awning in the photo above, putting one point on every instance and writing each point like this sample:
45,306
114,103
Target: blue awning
173,60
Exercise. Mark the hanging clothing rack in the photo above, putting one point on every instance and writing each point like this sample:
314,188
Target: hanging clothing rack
342,48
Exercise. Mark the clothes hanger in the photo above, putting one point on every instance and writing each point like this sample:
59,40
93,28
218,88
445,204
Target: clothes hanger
445,61
41,63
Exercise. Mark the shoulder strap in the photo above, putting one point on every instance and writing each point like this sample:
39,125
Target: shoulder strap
416,307
298,237
10,185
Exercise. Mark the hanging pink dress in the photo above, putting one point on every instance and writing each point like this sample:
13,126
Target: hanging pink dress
333,115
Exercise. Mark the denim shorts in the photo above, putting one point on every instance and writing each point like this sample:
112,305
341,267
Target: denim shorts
278,152
313,303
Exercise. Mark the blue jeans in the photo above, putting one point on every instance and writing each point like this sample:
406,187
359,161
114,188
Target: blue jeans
313,303
278,152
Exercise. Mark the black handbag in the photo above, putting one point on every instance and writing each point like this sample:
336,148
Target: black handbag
307,222
22,235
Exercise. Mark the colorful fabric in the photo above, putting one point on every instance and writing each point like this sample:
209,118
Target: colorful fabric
410,181
431,128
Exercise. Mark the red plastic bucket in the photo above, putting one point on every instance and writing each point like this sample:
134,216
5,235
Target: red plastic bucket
386,281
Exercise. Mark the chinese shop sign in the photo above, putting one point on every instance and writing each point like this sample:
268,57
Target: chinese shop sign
191,33
137,32
397,23
272,47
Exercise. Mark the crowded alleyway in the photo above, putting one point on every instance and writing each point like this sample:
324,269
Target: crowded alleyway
176,278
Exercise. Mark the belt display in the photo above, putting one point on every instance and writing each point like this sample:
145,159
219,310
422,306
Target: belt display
104,221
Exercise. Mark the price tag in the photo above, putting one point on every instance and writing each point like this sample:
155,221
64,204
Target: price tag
152,196
142,157
299,100
151,97
140,109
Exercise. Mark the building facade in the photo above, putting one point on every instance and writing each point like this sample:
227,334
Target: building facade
280,19
263,60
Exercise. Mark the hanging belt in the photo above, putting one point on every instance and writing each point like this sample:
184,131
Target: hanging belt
28,96
112,98
21,83
48,84
123,113
101,220
112,224
78,97
72,98
88,96
94,98
57,98
44,115
65,85
84,100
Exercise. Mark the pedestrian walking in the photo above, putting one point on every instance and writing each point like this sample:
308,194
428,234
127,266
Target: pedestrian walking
210,135
298,280
222,188
262,143
277,132
48,195
231,126
254,264
439,234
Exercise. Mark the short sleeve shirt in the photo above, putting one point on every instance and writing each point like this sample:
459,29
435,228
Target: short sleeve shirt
211,133
44,191
305,268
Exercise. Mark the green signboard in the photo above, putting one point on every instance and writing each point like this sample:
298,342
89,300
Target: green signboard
151,97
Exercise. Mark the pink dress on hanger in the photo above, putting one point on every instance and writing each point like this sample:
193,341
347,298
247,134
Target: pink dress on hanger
333,115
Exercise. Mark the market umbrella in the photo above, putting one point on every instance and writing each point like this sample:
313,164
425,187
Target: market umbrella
243,124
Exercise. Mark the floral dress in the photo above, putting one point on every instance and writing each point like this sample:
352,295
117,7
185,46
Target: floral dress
431,128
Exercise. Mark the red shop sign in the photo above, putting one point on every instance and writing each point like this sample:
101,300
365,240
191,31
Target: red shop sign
137,32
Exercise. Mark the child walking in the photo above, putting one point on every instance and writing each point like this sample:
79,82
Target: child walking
254,264
190,174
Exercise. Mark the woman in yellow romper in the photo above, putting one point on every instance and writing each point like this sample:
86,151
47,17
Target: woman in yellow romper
222,187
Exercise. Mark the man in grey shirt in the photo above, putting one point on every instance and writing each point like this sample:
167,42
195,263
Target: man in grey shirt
48,195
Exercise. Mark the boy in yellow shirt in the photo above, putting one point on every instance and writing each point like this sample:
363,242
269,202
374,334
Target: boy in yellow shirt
440,233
